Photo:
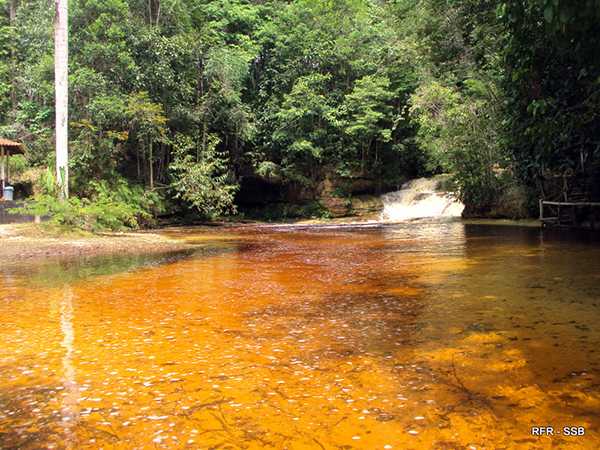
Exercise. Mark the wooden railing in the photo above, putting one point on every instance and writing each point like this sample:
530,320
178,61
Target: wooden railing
566,213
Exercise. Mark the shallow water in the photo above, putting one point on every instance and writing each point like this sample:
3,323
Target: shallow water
424,335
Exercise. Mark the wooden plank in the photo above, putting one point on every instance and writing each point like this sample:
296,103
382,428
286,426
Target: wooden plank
2,174
572,203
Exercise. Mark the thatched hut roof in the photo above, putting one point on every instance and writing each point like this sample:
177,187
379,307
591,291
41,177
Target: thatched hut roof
11,147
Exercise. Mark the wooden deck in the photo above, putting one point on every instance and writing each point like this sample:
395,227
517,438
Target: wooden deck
570,214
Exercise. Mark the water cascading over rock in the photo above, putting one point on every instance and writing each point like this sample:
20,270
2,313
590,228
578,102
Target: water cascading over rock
420,198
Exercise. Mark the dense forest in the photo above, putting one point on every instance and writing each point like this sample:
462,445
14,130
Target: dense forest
217,107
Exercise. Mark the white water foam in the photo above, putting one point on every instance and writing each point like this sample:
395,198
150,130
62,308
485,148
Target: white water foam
420,198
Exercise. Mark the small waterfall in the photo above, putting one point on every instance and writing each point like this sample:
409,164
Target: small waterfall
420,198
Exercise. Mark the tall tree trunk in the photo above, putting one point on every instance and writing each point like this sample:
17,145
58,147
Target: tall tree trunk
204,137
153,12
200,97
12,16
150,166
61,82
137,159
12,11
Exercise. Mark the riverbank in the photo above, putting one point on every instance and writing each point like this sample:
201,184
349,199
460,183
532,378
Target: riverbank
30,241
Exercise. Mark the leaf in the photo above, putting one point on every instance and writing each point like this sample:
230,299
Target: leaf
564,16
549,13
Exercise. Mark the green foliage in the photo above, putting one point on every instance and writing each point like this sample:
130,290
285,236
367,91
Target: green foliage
146,117
287,211
117,205
189,98
552,82
461,133
113,207
280,89
458,107
332,83
303,123
202,180
17,165
368,111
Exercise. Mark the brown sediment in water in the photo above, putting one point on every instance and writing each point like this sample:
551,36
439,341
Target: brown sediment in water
430,336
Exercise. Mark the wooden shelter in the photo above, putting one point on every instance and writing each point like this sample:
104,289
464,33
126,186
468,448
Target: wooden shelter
7,148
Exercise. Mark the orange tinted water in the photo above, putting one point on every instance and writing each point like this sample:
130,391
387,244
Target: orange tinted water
426,335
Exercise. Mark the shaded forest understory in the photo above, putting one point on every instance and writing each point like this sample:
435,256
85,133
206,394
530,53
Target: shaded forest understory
207,108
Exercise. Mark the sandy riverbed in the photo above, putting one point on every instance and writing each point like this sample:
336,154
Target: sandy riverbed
28,241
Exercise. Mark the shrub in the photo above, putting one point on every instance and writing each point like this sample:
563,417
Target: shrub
461,132
115,206
202,180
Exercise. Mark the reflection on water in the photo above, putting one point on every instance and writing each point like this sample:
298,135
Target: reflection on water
426,335
70,399
60,271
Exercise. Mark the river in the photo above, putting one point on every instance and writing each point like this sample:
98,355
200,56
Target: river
429,334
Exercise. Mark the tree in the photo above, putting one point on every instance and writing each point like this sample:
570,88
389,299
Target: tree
61,77
288,92
147,122
304,126
552,81
369,116
202,182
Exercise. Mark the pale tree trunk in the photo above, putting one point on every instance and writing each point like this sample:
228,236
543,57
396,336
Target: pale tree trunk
150,166
12,17
204,137
12,11
137,158
2,173
153,12
61,81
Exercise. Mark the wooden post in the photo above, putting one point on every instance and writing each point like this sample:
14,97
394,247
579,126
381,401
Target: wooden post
2,174
542,211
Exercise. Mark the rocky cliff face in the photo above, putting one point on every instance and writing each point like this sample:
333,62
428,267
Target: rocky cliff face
338,196
349,196
513,203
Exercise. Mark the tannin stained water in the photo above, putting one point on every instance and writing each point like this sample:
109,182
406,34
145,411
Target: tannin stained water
425,335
